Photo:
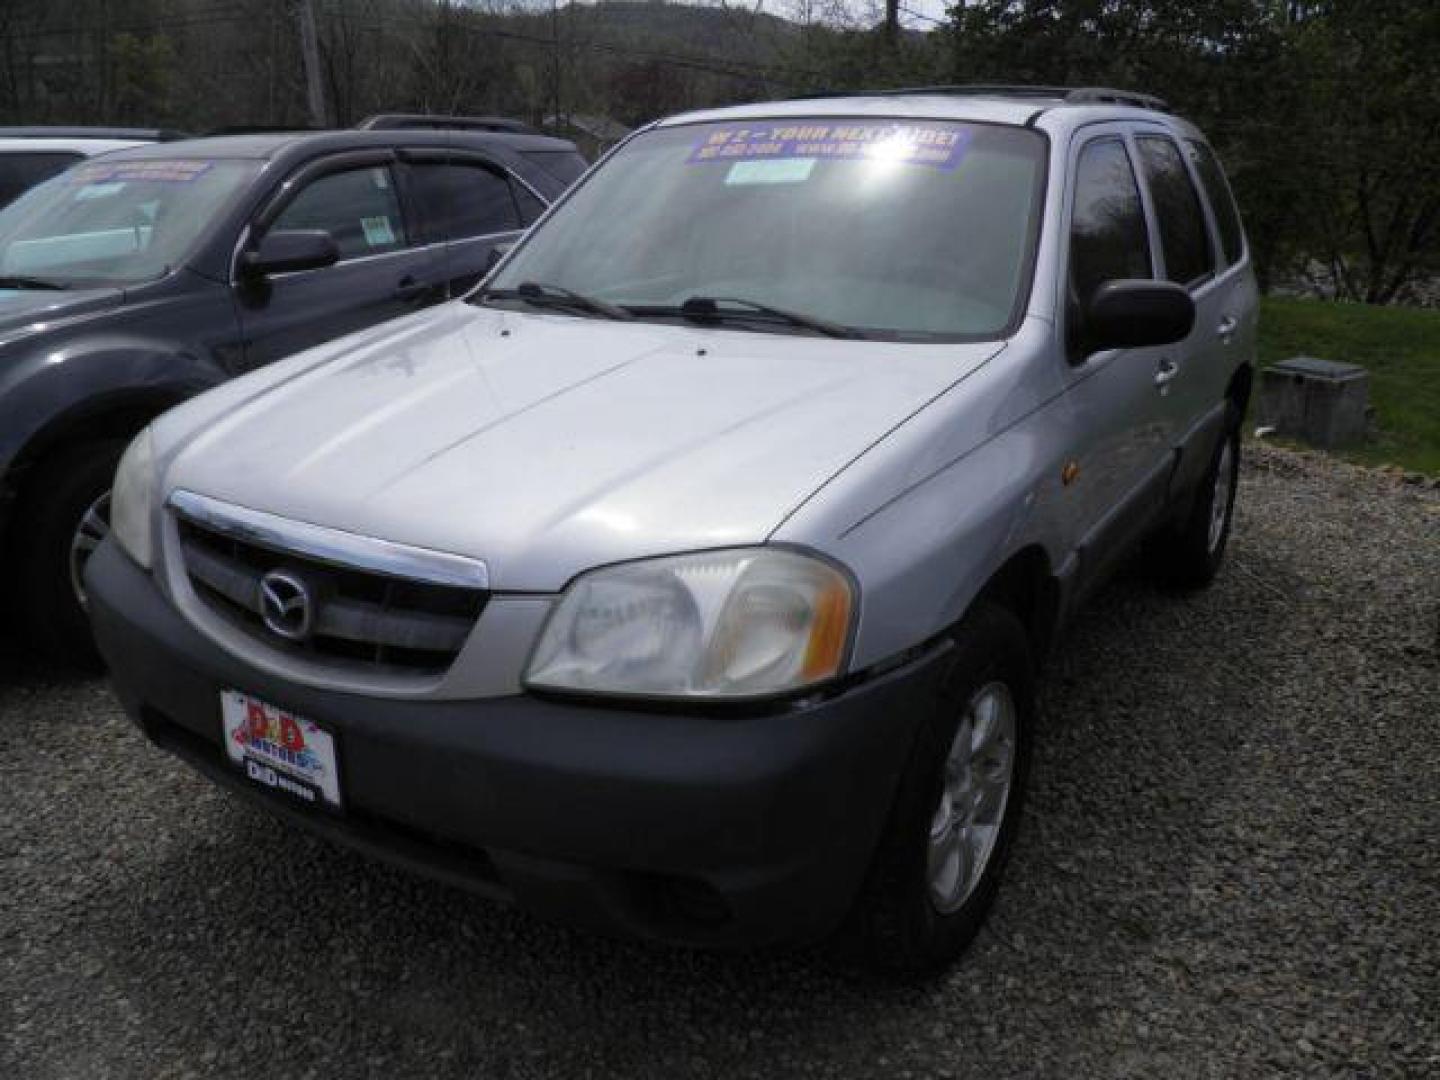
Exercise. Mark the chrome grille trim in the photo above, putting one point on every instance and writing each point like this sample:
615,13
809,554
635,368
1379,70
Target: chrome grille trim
371,608
349,620
342,549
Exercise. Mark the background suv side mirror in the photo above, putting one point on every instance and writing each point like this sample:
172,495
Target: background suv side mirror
1129,314
290,250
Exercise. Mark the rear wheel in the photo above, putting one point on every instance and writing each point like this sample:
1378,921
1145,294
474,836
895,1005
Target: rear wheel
63,515
938,866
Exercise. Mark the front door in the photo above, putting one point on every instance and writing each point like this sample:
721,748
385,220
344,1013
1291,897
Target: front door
1115,482
385,268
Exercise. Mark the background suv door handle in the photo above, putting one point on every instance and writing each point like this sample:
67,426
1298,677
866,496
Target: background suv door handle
1166,371
1227,326
409,288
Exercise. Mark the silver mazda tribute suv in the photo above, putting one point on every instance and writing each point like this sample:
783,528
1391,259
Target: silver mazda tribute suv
689,577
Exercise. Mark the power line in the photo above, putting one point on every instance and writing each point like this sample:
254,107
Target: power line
735,69
923,17
712,65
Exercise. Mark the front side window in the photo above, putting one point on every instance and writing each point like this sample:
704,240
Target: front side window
461,200
1184,238
116,223
359,208
1108,240
893,229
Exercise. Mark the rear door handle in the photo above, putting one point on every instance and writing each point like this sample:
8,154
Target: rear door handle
409,288
1167,370
1227,326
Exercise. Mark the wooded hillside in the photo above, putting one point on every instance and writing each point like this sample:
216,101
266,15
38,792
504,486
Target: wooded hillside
1326,111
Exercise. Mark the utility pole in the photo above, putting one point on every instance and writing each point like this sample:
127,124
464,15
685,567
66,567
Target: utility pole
310,54
555,67
892,22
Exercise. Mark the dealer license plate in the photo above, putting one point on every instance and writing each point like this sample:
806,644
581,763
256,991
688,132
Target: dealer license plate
280,750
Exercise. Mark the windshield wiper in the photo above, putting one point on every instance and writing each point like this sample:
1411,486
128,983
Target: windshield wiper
710,309
20,281
542,295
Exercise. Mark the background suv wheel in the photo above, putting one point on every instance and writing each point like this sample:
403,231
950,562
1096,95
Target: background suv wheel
62,516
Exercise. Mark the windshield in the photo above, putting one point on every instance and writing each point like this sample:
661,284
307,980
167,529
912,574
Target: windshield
114,223
911,230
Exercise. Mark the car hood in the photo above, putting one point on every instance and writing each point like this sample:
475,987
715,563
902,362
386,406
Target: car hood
26,312
546,444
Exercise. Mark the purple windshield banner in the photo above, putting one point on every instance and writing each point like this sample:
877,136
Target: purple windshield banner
935,145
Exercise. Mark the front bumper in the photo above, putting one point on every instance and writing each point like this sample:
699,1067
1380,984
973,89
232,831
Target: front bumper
705,829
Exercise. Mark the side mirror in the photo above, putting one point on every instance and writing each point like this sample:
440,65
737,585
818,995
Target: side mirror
287,251
1129,314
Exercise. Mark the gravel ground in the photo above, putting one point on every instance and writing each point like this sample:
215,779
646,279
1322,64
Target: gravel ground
1229,867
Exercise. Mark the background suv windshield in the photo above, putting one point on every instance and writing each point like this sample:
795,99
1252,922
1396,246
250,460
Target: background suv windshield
114,223
900,228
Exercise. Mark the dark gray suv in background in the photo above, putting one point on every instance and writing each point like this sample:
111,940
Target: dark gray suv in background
134,280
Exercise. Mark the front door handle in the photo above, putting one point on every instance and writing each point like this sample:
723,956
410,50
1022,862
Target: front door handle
1227,326
409,288
1167,370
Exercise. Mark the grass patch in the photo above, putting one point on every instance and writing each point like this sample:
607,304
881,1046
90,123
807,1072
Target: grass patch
1400,347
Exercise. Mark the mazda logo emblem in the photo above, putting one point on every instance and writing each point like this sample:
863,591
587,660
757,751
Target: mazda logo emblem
286,605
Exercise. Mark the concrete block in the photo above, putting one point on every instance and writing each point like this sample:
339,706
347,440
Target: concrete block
1320,402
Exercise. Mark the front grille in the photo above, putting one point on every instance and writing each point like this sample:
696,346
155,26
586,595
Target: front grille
360,619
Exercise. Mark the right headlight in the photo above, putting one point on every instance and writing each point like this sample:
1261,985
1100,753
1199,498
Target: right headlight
735,623
132,501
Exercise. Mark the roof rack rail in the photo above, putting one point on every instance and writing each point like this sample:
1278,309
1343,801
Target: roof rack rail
427,122
1104,95
1070,95
76,132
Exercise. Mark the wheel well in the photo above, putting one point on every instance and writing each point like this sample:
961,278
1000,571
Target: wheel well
113,418
1026,587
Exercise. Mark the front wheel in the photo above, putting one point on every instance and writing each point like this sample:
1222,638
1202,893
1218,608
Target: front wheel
63,515
938,865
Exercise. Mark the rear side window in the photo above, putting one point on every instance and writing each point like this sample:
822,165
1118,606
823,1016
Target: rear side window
462,199
1183,236
1217,190
358,208
20,172
1107,231
564,165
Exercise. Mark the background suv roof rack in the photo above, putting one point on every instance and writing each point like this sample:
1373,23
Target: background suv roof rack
425,121
73,132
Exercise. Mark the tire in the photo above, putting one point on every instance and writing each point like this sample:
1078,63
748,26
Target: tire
58,495
1188,556
900,923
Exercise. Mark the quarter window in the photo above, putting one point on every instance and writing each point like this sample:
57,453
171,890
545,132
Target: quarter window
1184,239
1107,231
462,200
1227,217
358,208
564,165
